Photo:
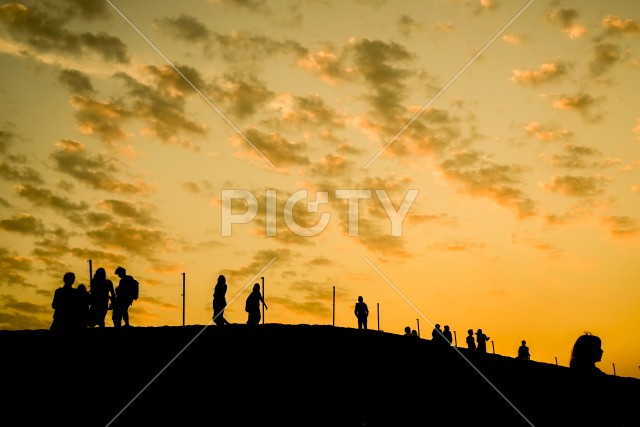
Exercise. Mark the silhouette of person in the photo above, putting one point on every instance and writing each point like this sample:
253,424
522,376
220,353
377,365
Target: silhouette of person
63,304
471,341
362,313
415,333
436,335
102,293
407,331
220,301
82,305
124,298
448,337
252,305
523,351
593,389
482,339
586,352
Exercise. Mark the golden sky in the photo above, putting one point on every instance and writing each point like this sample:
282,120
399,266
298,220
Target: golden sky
510,128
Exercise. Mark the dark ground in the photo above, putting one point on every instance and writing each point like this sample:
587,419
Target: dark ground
298,375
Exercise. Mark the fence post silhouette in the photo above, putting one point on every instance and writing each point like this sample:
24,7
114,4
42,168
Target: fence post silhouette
493,348
418,322
378,310
455,338
614,369
556,360
183,297
333,308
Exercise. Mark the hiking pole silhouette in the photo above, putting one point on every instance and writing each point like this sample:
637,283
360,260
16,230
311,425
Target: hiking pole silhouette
90,271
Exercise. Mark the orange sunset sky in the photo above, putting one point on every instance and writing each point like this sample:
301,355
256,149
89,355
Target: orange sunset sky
516,125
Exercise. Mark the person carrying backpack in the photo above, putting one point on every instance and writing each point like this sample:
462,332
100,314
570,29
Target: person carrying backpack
126,292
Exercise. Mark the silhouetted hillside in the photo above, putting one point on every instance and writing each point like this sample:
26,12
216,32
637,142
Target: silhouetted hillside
290,375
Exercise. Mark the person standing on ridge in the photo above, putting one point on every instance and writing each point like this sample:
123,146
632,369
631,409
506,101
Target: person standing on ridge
447,335
102,294
125,294
482,341
252,305
64,305
220,301
362,313
471,341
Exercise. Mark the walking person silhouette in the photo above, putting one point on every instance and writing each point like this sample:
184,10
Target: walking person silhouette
252,305
362,313
220,301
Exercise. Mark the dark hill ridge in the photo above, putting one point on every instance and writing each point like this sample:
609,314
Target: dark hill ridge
290,375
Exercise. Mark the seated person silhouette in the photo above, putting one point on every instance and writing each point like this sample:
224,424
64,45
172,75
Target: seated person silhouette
523,351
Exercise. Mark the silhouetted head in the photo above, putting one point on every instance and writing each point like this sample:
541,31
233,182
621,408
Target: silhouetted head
120,272
360,299
407,330
82,288
69,278
586,351
100,274
479,331
470,331
446,327
524,342
437,325
256,286
222,279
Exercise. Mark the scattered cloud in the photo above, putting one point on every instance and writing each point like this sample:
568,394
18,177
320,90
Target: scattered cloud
44,32
95,171
567,18
582,103
77,82
576,186
407,25
621,226
605,56
23,223
477,175
512,39
624,27
547,72
547,133
15,268
577,157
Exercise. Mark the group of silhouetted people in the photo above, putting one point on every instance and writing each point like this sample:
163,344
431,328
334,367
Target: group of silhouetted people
80,308
252,303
